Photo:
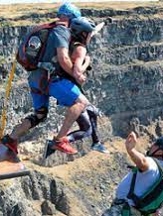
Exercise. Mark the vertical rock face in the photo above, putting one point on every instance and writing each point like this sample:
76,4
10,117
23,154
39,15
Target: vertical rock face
128,70
46,194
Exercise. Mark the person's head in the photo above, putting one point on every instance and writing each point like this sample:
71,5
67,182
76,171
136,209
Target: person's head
68,11
82,28
156,150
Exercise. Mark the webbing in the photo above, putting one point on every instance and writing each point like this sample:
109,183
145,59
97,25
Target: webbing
7,94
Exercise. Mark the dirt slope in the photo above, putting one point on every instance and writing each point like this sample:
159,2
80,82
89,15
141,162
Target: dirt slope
75,175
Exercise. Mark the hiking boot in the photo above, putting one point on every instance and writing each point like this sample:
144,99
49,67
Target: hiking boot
10,143
63,145
99,147
48,149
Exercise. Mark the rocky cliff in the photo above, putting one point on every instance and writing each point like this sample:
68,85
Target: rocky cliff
126,83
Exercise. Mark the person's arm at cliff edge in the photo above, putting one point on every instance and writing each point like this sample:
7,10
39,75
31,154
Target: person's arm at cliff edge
81,62
80,65
138,158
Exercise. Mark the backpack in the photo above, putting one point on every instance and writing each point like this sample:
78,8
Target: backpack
152,199
33,45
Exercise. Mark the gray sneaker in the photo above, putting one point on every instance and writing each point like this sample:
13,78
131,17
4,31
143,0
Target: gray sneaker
99,147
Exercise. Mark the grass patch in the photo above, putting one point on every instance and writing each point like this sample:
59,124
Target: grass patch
19,14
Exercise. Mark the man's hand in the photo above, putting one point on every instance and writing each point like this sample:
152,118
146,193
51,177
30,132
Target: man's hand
131,141
137,157
80,79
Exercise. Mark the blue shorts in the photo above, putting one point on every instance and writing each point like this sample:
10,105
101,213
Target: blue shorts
40,100
64,91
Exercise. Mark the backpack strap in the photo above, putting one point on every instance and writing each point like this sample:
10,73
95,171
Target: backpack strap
131,194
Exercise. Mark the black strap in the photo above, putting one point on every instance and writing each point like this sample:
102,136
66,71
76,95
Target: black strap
131,194
132,186
36,91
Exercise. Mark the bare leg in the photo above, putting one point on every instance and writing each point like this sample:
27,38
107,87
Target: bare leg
11,141
72,114
61,142
20,129
23,127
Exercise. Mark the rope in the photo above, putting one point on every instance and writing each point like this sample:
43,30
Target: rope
7,94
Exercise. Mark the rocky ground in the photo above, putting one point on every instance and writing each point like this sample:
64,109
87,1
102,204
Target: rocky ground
82,185
87,183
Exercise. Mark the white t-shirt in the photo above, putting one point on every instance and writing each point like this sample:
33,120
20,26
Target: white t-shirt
144,180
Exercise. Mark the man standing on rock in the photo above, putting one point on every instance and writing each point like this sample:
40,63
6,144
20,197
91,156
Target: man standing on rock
66,92
146,175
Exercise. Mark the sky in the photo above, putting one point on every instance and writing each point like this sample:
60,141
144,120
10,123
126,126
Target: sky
27,1
53,1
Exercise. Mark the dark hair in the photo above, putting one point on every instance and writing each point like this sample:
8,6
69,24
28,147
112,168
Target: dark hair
159,143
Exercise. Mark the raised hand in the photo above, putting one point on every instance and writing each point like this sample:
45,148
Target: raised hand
131,141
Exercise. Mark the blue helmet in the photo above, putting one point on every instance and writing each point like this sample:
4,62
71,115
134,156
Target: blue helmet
69,10
82,24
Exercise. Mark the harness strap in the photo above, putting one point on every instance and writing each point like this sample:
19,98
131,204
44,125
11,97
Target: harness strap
131,194
36,91
139,202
